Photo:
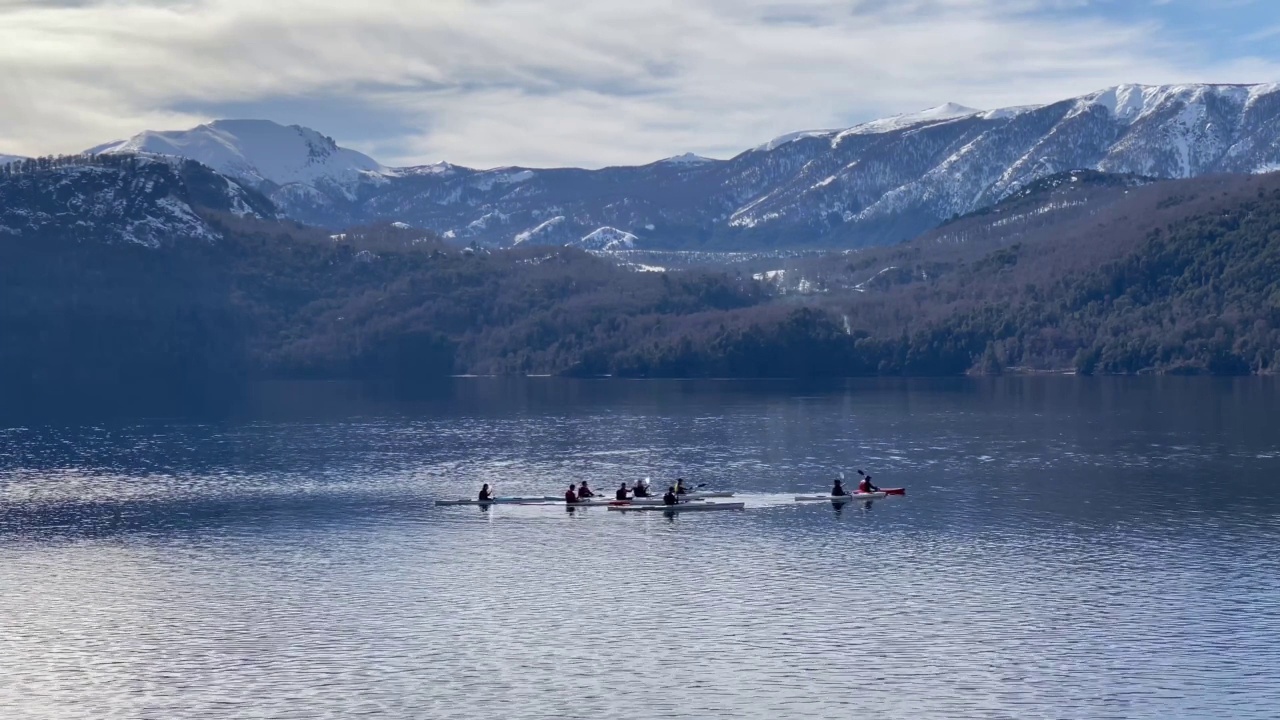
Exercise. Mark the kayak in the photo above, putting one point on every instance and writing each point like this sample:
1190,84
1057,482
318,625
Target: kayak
894,491
653,501
682,507
591,502
690,496
842,498
498,501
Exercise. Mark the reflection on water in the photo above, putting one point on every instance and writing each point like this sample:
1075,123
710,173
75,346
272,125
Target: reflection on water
1068,548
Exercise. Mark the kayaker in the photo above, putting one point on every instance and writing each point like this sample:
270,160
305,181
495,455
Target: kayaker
838,490
485,493
680,488
670,498
641,490
570,497
584,492
622,492
865,486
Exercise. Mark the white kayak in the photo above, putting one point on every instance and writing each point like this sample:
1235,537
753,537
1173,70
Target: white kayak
654,501
841,498
682,507
590,502
498,501
685,497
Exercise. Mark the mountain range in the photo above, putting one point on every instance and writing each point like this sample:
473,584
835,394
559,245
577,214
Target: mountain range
876,183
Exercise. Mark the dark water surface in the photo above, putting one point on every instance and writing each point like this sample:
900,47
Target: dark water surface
1068,548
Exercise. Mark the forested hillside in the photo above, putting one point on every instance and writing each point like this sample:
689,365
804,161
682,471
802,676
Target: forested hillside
1094,274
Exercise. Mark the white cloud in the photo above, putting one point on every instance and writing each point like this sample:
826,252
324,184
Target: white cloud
495,82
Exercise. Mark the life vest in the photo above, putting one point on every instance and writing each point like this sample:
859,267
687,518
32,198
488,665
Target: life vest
570,497
864,486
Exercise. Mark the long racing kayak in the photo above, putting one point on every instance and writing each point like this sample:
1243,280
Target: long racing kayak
499,500
682,507
842,498
590,502
653,501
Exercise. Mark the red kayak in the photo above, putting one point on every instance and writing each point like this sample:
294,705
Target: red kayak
894,491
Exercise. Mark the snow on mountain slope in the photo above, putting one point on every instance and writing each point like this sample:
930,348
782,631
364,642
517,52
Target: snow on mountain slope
948,111
781,140
607,238
893,184
539,233
261,152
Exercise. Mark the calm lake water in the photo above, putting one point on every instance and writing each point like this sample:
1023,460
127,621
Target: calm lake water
1068,548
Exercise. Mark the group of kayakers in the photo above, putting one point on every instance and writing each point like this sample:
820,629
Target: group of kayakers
672,496
582,492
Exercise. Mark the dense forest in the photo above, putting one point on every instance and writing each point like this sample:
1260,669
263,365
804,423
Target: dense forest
1163,278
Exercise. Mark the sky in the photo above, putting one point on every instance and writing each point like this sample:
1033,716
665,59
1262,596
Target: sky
589,83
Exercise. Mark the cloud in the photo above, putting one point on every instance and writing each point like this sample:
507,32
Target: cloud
547,82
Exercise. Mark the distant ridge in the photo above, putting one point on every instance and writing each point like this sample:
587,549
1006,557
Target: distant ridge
878,182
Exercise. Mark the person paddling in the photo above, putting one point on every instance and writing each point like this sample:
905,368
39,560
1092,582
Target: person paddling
865,486
838,490
670,498
570,497
622,492
584,492
641,490
680,488
485,494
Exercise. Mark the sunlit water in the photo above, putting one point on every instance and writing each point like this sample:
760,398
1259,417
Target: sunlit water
1068,548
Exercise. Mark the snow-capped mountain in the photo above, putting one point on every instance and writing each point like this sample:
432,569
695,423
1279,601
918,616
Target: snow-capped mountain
876,185
6,159
295,164
878,182
134,200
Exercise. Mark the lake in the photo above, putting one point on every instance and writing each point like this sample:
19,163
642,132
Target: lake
1067,548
